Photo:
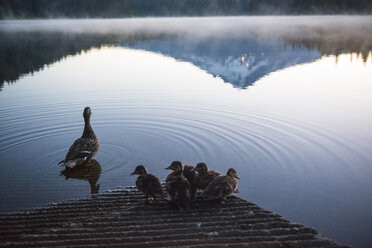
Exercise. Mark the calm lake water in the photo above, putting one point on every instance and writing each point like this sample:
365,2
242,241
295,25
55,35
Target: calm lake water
286,101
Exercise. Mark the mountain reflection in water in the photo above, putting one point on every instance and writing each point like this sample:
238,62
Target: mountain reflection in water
238,49
239,61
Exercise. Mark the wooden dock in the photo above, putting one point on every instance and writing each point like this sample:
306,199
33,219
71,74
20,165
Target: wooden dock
119,218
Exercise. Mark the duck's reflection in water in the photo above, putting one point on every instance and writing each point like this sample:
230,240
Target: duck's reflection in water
89,172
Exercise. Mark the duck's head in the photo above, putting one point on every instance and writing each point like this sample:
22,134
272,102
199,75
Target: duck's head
201,168
175,166
232,173
140,170
87,113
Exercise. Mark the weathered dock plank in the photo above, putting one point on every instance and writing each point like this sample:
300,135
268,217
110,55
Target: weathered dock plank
120,219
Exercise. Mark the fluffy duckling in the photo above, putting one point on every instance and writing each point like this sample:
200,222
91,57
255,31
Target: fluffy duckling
85,147
204,176
222,186
178,187
148,183
188,172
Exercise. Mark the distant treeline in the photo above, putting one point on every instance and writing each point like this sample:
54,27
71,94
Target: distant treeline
12,9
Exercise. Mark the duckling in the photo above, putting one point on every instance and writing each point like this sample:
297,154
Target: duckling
204,176
148,184
188,172
222,186
178,187
85,147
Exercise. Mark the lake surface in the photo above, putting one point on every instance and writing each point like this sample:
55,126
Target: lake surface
286,101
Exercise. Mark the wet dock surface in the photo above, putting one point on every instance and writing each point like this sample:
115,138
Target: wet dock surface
119,218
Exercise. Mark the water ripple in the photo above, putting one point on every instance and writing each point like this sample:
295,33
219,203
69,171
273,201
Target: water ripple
200,131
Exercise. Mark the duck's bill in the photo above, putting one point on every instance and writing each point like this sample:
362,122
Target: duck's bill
168,168
133,173
237,177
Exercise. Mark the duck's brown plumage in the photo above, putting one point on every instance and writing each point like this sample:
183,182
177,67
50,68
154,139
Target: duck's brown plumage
148,183
221,186
84,148
204,176
178,186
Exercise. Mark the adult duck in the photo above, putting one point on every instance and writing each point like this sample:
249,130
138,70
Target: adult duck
85,147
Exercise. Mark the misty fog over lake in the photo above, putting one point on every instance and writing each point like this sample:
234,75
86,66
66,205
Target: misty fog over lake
286,101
